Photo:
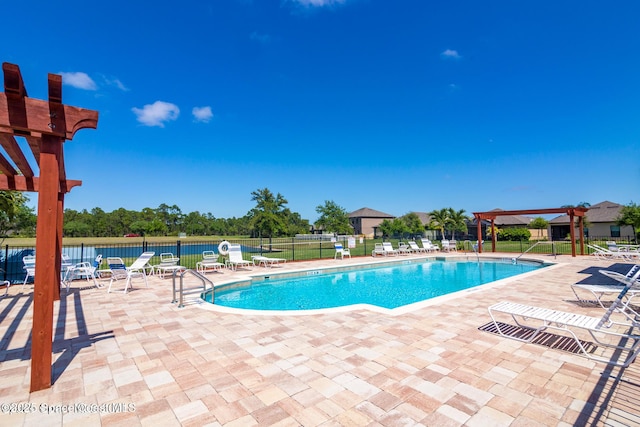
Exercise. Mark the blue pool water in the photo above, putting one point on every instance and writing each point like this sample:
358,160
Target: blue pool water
389,287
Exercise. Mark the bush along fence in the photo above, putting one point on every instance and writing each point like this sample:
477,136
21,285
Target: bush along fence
290,248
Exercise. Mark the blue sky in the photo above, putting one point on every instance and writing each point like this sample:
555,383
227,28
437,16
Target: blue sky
398,106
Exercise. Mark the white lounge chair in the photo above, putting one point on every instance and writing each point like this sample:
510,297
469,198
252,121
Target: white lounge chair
612,246
209,262
266,261
119,271
404,249
388,249
168,263
341,251
446,246
83,269
29,262
600,290
29,267
430,247
415,248
602,330
378,249
607,255
235,259
7,285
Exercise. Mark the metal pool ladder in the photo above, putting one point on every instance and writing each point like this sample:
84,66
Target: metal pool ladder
553,249
181,291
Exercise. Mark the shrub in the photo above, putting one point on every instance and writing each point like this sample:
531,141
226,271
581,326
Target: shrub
514,234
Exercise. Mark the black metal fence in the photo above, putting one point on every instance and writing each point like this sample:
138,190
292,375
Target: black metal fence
290,248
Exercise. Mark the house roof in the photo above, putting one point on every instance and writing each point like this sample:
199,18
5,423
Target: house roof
601,212
425,218
511,219
369,213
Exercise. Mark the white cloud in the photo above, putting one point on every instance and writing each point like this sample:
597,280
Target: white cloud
157,114
202,114
451,54
79,80
318,3
112,81
117,83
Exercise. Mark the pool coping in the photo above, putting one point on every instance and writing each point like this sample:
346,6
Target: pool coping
370,307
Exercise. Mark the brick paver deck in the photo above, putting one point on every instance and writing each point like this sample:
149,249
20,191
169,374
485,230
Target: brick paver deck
141,360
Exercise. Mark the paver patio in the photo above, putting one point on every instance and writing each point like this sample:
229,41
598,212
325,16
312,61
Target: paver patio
149,362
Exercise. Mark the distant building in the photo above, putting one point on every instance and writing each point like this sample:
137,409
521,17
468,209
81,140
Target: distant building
365,221
601,222
519,221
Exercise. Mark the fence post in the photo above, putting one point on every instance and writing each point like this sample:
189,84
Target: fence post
293,249
81,252
178,248
6,261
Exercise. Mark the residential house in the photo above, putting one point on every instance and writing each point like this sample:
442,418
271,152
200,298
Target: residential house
520,221
600,223
365,221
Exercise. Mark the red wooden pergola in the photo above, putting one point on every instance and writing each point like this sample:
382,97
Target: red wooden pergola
572,212
45,125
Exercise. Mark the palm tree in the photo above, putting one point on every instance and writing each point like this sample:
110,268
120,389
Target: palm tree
439,219
457,221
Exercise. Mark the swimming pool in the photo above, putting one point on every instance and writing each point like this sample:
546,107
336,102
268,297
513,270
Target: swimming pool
389,286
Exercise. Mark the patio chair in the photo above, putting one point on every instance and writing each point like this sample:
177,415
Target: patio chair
6,285
404,249
612,246
388,249
598,291
209,262
445,245
341,251
415,248
83,269
168,263
606,254
453,246
120,272
266,261
600,329
430,247
29,267
235,258
378,249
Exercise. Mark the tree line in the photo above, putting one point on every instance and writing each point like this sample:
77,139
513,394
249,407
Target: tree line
270,217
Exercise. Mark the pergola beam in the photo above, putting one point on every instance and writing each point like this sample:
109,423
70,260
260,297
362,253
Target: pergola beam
12,148
572,212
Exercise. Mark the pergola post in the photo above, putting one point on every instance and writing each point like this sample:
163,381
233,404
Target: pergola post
572,232
493,234
45,125
47,280
479,221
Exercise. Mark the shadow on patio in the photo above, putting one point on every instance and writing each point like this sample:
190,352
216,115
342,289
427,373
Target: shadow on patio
19,311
